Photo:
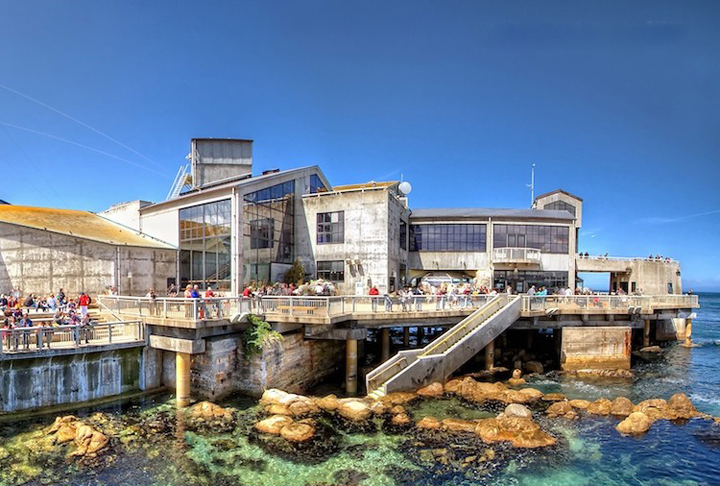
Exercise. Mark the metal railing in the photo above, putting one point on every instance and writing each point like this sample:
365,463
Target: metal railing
40,338
608,302
517,255
178,308
602,258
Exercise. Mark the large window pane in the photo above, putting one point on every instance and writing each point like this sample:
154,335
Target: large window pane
448,237
547,239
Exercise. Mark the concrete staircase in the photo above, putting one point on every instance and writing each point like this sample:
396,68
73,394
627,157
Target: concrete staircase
412,369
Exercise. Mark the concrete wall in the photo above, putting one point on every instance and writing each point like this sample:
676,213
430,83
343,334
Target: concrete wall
596,348
651,277
127,214
43,262
371,236
292,364
42,382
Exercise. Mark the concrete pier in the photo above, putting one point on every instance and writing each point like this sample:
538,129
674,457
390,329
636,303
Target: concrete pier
385,345
646,333
351,366
490,356
406,337
688,332
182,379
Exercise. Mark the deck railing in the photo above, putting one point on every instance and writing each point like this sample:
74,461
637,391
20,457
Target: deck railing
517,255
177,308
41,338
608,302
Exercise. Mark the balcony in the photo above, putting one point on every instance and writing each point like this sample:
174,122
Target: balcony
517,255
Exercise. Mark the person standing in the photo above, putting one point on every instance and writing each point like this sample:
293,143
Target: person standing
61,297
84,302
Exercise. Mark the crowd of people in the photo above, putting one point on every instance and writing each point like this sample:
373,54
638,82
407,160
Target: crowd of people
23,320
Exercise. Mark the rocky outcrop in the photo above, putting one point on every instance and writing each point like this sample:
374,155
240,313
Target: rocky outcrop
401,419
635,423
480,392
209,413
354,409
279,402
273,425
430,423
297,432
561,409
88,441
680,407
458,425
432,390
520,432
398,398
328,403
579,404
621,407
517,410
601,406
653,408
554,397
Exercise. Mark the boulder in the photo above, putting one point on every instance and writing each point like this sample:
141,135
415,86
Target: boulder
328,403
432,390
654,408
517,374
303,406
621,407
453,385
534,367
397,409
354,409
457,425
635,423
273,396
681,407
278,410
579,404
398,398
558,408
517,410
401,419
651,349
209,412
64,429
297,432
554,397
89,441
601,406
571,415
532,393
273,425
379,408
520,432
429,423
517,382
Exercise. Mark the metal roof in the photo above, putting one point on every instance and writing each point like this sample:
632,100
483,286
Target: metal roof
560,191
365,185
80,224
491,213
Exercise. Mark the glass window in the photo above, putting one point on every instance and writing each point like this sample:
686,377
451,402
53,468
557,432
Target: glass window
331,227
333,270
316,185
561,206
547,239
261,233
403,235
205,244
448,237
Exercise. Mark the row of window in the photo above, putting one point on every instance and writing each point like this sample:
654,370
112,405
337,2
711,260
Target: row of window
547,239
447,237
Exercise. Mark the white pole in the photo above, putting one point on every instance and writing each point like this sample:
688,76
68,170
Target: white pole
532,186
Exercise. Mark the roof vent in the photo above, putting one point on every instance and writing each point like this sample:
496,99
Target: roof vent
270,171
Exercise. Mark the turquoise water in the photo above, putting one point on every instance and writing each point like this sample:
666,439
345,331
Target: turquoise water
152,445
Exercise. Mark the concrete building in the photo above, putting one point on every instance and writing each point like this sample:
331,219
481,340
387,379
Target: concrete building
43,250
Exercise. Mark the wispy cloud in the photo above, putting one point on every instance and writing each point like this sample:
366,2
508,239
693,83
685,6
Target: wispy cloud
591,233
662,220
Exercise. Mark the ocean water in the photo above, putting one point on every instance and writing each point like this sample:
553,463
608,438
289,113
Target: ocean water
590,452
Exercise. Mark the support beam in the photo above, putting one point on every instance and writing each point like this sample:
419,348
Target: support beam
385,344
688,332
490,356
646,333
182,379
406,337
351,367
420,336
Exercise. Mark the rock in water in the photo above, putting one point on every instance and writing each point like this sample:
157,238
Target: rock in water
517,374
328,403
457,425
517,382
517,410
432,390
579,404
621,407
600,406
681,407
273,425
401,419
297,432
89,441
429,423
209,412
636,423
520,432
534,367
559,408
554,397
654,408
354,409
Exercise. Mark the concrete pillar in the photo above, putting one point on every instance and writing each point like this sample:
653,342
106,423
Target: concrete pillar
490,356
351,366
385,345
182,379
420,336
646,333
688,332
406,337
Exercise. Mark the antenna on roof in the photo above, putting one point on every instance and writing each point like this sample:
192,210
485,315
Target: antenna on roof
532,186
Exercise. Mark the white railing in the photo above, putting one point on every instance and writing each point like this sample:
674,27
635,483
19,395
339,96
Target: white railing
38,338
517,255
603,258
606,302
178,308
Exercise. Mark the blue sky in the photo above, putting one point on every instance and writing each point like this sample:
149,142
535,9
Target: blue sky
617,102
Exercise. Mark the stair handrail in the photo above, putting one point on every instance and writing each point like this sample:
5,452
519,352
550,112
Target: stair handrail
379,372
479,315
